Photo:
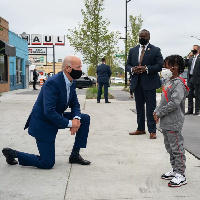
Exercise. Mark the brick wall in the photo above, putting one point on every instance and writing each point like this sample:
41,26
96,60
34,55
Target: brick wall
4,27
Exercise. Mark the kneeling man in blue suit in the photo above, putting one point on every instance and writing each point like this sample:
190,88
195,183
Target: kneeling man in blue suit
47,116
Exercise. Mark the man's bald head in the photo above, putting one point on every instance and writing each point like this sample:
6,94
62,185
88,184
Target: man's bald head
72,61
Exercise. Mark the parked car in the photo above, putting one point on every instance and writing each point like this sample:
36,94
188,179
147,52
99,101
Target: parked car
83,82
117,80
93,79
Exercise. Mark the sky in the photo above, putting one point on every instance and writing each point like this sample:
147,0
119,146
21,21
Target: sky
170,22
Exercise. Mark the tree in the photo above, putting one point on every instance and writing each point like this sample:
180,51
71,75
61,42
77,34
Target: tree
133,29
91,38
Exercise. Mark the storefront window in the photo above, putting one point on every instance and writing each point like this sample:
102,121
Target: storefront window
18,70
3,69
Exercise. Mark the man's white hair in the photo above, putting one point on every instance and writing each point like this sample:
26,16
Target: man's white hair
68,61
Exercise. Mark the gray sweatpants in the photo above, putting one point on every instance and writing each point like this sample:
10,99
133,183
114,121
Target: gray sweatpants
173,141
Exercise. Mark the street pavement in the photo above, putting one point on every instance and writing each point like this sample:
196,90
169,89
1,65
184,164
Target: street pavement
122,166
191,128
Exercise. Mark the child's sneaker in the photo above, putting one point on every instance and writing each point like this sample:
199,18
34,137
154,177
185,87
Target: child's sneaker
169,175
177,181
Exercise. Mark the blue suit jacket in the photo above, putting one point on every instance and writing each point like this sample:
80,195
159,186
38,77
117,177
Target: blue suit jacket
48,115
103,73
153,60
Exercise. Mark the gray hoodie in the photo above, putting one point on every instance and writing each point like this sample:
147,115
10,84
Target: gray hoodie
171,109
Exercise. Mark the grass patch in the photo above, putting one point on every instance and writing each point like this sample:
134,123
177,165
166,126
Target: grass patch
159,90
117,84
91,93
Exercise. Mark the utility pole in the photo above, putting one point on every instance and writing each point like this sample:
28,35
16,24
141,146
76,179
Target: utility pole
125,56
53,59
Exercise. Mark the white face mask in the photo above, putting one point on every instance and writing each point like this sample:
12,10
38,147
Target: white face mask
166,74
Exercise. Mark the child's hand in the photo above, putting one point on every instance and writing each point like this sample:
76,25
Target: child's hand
156,118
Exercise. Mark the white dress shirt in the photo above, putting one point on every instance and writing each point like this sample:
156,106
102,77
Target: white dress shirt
193,64
140,50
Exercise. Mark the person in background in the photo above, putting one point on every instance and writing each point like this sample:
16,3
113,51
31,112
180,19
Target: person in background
144,62
103,76
47,116
48,76
171,112
193,80
35,78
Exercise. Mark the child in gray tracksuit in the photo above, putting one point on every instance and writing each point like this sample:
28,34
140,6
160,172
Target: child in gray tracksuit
171,112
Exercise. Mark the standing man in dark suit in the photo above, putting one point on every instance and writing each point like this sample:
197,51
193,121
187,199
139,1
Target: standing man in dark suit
47,116
144,62
103,76
193,79
35,78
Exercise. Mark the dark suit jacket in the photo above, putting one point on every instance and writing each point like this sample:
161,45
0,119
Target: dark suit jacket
196,71
153,60
103,73
48,115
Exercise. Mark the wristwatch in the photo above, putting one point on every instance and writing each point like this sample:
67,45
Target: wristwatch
146,68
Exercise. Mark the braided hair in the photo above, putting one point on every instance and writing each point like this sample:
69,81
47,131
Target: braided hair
176,60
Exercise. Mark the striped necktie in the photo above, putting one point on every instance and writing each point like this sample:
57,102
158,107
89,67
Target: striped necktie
142,54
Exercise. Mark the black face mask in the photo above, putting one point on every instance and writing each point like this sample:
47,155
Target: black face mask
75,74
143,41
194,51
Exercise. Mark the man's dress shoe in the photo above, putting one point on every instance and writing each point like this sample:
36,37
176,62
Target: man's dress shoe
137,133
152,135
9,159
188,113
98,101
79,160
107,102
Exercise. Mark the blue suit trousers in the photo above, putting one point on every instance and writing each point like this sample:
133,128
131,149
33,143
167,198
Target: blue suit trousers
100,85
141,97
46,157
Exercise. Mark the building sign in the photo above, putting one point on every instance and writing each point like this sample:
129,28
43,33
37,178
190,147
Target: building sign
36,39
38,60
37,51
47,40
59,40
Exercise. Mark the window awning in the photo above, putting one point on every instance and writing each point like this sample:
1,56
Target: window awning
7,49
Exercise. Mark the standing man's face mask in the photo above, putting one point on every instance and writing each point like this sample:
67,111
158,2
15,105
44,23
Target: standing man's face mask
143,41
194,51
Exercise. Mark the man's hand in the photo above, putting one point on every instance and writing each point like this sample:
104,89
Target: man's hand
134,69
190,55
156,118
73,130
139,69
75,126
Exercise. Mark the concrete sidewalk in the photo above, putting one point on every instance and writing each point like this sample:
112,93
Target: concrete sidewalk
123,166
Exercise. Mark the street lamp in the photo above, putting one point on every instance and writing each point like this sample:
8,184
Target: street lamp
126,45
195,37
